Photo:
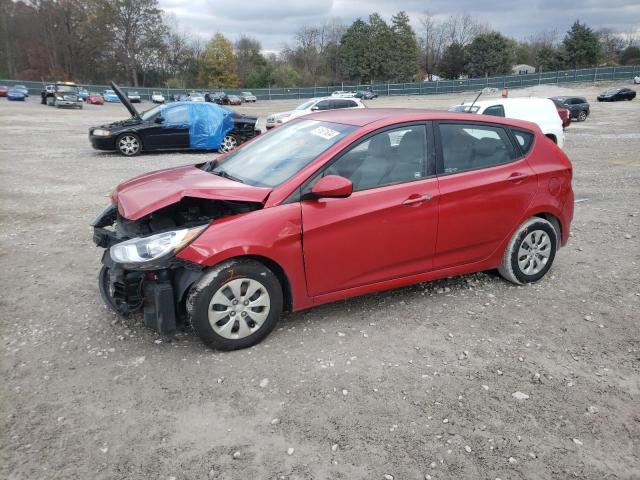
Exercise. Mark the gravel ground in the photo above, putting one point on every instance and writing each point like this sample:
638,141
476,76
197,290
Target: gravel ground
468,377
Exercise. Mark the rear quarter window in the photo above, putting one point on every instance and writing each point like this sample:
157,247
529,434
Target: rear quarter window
524,139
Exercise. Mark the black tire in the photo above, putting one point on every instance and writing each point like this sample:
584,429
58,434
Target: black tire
218,281
105,292
125,146
582,116
514,263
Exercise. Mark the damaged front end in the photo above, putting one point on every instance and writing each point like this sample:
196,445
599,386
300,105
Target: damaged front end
140,270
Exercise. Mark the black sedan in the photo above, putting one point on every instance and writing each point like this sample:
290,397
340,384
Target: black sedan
617,94
176,126
366,94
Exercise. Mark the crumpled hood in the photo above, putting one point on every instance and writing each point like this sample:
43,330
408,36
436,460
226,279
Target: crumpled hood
147,193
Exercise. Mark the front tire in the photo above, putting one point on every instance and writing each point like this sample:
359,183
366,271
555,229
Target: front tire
129,144
530,252
235,304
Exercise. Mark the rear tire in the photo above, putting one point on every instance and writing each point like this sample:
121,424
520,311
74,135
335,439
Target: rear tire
530,252
582,116
235,304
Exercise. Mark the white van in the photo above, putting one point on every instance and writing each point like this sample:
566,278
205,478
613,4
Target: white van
537,110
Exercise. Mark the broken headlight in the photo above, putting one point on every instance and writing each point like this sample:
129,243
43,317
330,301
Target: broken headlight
143,250
100,132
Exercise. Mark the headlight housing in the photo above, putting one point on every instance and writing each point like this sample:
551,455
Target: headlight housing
59,97
146,250
100,132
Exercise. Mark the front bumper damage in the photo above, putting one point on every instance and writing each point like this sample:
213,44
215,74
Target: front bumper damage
158,290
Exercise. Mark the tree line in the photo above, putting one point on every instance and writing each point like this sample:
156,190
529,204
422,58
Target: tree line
135,42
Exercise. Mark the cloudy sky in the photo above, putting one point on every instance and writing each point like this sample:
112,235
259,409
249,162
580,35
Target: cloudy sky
274,22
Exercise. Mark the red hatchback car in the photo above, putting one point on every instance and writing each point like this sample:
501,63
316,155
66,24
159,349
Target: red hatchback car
94,99
333,205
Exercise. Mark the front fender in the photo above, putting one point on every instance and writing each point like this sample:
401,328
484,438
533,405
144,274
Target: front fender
273,233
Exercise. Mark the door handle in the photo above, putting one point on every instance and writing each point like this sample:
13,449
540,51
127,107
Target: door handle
414,199
517,177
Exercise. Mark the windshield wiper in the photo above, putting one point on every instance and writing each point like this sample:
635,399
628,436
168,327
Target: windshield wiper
225,174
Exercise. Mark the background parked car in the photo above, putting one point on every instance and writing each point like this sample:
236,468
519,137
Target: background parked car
636,80
617,94
21,88
248,97
62,94
94,98
16,95
541,111
220,98
174,126
234,100
342,94
564,115
157,97
83,94
134,97
3,90
366,94
110,96
196,97
578,107
313,105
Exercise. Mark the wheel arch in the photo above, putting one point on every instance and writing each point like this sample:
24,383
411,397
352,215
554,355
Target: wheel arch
274,266
554,221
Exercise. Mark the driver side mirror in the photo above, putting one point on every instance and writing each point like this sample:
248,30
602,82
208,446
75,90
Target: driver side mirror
159,119
332,186
314,108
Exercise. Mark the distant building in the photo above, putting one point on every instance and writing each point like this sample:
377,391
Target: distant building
523,69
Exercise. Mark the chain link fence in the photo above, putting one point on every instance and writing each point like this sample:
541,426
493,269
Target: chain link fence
625,73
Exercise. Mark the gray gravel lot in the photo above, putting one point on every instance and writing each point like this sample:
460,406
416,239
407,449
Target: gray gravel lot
416,383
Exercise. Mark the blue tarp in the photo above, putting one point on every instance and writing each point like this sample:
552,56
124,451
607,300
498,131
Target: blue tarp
207,122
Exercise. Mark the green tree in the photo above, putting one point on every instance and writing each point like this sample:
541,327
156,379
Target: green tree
218,65
630,56
453,61
248,57
355,51
489,54
379,49
549,59
581,46
406,51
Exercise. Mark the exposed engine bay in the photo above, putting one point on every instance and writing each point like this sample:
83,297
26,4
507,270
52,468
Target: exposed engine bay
159,290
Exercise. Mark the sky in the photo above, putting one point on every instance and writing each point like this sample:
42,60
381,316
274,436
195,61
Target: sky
274,22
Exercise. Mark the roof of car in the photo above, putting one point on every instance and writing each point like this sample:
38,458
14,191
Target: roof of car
364,116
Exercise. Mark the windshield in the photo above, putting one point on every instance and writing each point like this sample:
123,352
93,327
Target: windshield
276,156
247,93
151,112
305,105
67,88
109,92
464,108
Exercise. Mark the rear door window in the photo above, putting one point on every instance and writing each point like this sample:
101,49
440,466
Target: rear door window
474,146
324,105
524,139
495,110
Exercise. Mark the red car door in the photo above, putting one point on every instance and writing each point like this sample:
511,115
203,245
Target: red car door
387,228
484,191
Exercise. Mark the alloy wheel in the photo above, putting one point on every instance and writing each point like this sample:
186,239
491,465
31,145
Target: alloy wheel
228,143
582,116
534,252
239,308
129,145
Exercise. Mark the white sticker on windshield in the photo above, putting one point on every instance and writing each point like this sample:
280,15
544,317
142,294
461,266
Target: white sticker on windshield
324,132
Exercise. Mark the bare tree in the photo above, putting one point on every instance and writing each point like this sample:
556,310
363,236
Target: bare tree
432,42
